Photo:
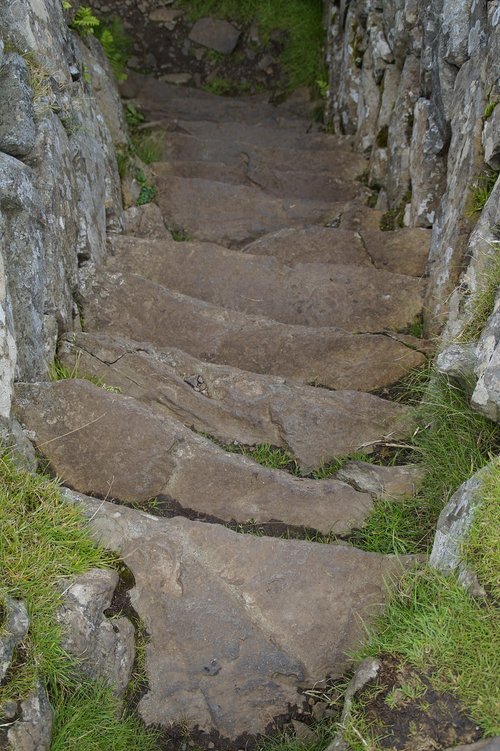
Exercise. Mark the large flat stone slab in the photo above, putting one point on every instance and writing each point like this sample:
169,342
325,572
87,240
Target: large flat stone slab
238,623
232,214
215,34
111,445
355,298
130,306
293,246
315,425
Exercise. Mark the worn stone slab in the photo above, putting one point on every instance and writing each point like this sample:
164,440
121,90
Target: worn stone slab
130,306
315,425
232,214
232,638
215,34
355,298
312,245
383,482
403,251
111,445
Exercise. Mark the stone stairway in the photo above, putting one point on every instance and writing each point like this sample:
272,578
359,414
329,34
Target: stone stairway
272,324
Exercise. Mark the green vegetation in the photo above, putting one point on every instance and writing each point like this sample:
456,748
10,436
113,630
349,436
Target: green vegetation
435,625
480,191
394,218
489,109
482,302
116,45
133,116
84,22
43,544
219,86
60,372
300,20
147,192
91,719
147,146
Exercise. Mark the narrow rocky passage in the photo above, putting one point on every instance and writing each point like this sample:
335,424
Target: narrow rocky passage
272,324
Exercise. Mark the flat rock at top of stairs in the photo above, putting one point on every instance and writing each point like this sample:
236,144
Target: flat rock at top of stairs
354,298
238,624
315,425
232,214
340,162
128,305
113,446
292,183
158,99
216,34
402,252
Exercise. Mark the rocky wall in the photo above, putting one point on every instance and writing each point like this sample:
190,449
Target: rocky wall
60,118
416,84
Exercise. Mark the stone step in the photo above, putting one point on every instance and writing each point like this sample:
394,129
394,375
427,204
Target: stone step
340,162
112,446
404,251
306,185
131,306
159,99
224,610
355,298
315,425
233,214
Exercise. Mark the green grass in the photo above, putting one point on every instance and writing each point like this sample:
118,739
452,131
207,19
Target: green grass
60,372
147,146
489,109
302,20
219,86
480,191
483,300
43,542
435,625
91,719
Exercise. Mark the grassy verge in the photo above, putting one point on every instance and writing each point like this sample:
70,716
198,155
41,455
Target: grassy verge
301,20
483,300
43,544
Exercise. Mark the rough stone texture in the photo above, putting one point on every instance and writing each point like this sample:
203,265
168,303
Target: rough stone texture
486,744
430,124
382,482
453,525
133,307
88,435
32,730
55,208
14,627
312,245
354,298
458,361
403,251
227,610
17,115
314,424
215,34
486,396
104,648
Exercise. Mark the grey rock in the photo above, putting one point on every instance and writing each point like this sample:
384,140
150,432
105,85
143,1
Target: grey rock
458,361
228,601
104,648
453,525
304,733
491,139
486,396
32,731
144,221
455,30
382,482
17,115
215,34
427,165
14,627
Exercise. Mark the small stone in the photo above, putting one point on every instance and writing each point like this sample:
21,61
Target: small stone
304,733
168,17
14,629
217,35
176,78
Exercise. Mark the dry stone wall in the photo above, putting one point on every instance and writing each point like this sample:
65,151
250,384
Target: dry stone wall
60,117
416,84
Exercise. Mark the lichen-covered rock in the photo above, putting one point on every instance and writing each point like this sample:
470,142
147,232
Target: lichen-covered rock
17,115
31,729
104,647
486,396
14,627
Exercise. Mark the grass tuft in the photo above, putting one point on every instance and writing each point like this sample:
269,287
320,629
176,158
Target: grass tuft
435,625
60,372
147,146
483,301
480,191
482,548
91,719
43,542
